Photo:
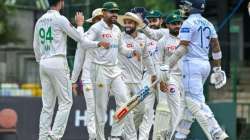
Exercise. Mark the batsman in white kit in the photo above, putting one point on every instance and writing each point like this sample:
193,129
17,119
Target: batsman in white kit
196,35
50,39
133,69
83,61
107,75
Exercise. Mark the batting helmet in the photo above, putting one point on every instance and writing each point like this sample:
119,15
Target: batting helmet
193,6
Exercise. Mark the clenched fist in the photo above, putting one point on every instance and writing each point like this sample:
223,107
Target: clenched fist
103,44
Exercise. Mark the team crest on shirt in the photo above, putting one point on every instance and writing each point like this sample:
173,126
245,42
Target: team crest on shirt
141,45
171,89
100,85
88,88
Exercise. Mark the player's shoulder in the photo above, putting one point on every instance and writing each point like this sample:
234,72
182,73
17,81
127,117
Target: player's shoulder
98,26
208,22
60,18
165,31
142,35
123,35
188,22
116,28
162,41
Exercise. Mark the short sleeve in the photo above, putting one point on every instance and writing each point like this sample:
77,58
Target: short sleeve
213,32
186,31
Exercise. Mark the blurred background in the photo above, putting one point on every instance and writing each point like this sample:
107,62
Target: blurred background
20,88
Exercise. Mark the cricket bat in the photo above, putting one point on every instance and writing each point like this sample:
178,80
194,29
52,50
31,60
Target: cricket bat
133,102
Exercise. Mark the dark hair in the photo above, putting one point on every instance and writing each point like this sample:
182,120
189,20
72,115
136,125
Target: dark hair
53,2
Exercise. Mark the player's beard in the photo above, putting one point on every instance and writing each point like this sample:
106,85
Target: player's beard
154,27
174,31
129,30
114,19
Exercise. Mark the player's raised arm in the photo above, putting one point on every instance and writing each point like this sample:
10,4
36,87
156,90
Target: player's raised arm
154,34
77,34
148,62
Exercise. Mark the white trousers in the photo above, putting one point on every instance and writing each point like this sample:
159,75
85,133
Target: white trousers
169,110
144,112
90,104
104,84
56,84
195,73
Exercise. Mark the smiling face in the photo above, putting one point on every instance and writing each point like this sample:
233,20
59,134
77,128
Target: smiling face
130,26
155,23
110,16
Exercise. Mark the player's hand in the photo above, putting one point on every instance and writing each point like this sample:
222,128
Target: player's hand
141,26
218,77
137,55
164,73
163,87
103,44
79,18
74,88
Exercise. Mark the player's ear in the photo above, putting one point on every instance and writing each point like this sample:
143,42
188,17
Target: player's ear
161,21
104,12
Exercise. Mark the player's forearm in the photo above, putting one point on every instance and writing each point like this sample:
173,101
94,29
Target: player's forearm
78,63
152,34
148,63
181,51
125,51
216,52
36,50
37,55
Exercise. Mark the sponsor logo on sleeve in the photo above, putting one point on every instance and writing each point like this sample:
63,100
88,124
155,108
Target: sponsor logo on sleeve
185,30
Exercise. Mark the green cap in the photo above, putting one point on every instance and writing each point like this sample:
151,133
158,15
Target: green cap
180,12
154,14
171,18
110,6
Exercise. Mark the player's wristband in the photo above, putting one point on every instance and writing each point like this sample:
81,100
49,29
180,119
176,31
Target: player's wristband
217,55
216,69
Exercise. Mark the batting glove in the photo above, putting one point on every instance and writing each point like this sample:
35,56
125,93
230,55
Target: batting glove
164,73
218,77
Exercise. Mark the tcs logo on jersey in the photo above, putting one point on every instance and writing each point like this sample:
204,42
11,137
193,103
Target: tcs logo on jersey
106,35
171,48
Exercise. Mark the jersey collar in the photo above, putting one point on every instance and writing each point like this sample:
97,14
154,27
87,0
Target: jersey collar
195,15
53,11
105,24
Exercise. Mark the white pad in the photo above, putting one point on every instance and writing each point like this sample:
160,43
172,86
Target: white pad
162,121
201,116
218,78
185,124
